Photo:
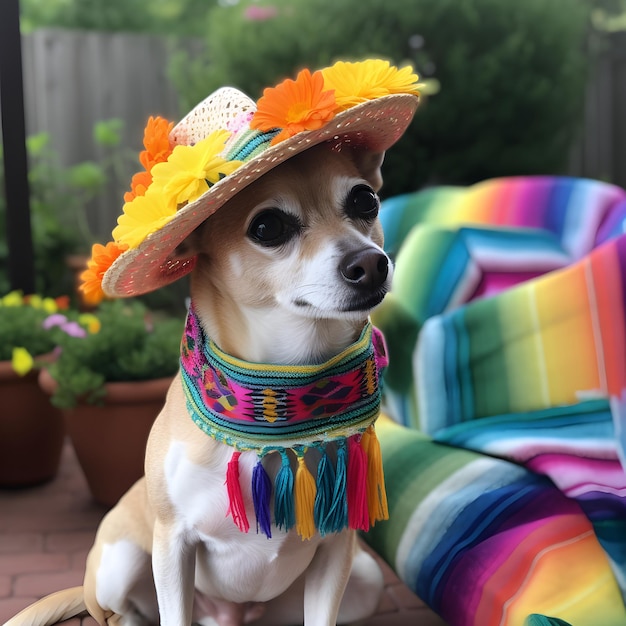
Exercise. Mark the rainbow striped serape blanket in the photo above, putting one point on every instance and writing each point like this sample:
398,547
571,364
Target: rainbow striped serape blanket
505,458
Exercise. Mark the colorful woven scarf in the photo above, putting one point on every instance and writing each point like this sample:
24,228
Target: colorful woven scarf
287,410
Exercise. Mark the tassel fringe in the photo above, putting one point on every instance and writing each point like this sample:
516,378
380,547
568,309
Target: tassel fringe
347,493
236,507
358,514
337,518
376,494
324,497
284,508
261,496
305,500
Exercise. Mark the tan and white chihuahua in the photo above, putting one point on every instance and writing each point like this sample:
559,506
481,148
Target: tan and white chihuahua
287,272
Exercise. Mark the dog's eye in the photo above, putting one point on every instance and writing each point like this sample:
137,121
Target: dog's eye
273,227
362,203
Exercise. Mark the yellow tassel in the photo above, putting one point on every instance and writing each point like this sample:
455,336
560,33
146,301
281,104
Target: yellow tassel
305,500
376,494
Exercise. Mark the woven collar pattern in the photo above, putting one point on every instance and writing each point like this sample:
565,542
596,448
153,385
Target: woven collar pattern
252,406
288,410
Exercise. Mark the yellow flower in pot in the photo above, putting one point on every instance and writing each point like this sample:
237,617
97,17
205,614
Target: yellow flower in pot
31,431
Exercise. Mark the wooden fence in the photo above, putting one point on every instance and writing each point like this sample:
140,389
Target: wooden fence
601,149
73,79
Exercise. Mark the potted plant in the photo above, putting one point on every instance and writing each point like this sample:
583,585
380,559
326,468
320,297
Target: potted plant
110,384
31,431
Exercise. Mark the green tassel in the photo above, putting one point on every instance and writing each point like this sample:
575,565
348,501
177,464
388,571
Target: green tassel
324,495
284,508
337,517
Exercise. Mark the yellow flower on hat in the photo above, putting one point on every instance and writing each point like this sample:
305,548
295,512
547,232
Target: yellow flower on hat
354,83
142,216
191,170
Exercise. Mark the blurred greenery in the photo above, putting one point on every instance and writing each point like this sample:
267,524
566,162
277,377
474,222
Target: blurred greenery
58,196
161,17
511,74
506,78
608,15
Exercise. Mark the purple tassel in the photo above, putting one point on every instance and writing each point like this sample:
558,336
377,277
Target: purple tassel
261,496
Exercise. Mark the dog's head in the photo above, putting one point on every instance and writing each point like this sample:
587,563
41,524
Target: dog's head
302,243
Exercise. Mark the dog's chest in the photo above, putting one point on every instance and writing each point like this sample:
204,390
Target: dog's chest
249,566
230,563
196,489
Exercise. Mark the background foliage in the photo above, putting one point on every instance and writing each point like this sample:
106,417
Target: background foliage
58,197
511,74
163,17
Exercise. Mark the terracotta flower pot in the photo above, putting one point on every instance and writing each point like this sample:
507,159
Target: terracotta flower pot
31,431
110,440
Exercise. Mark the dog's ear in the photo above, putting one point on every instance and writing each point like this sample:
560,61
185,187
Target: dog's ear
369,164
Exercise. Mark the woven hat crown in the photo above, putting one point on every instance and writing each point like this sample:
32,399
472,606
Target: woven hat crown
225,109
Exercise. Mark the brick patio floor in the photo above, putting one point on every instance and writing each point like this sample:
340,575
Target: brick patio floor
46,532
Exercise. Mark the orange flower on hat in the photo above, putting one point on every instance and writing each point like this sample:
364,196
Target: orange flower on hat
102,257
295,106
359,82
156,140
138,185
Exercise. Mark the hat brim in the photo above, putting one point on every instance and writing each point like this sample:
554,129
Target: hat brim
374,125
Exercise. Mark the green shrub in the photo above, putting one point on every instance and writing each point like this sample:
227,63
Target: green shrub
512,74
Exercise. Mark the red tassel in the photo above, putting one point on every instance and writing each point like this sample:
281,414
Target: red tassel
358,511
236,506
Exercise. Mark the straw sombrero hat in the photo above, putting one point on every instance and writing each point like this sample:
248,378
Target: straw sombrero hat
227,142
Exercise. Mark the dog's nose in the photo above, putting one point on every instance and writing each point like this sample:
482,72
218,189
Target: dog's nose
367,269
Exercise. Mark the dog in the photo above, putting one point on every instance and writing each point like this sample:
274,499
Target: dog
287,272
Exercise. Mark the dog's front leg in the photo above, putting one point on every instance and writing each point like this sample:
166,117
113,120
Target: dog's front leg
326,579
173,564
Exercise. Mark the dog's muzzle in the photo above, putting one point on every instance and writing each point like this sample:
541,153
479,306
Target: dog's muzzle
366,270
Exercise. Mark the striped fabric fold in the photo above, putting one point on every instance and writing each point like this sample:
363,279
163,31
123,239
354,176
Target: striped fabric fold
506,331
485,542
